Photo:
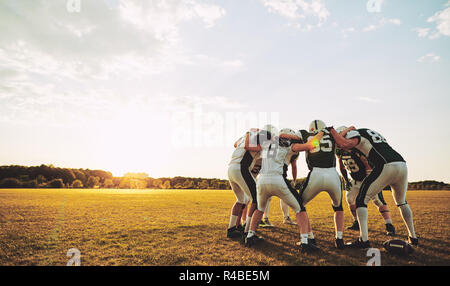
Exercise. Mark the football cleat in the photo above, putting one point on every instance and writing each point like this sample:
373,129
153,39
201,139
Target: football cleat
308,248
390,229
287,220
354,226
233,232
359,244
249,241
267,222
240,228
339,243
413,241
312,241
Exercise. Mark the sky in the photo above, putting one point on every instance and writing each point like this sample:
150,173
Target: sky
166,87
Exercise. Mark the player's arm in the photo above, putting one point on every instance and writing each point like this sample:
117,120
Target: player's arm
366,164
251,147
290,137
237,142
311,144
345,131
294,170
343,142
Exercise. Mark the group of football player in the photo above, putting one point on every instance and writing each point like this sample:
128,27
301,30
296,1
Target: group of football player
364,153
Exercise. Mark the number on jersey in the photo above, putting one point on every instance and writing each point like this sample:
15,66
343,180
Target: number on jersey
350,164
376,137
325,145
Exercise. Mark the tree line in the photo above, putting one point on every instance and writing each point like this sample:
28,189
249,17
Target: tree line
48,176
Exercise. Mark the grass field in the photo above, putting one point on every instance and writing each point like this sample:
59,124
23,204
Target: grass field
187,227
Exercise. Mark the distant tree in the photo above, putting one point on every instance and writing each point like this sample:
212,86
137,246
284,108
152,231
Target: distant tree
166,185
125,183
10,183
188,184
31,184
108,183
157,183
93,182
41,179
55,183
77,184
203,184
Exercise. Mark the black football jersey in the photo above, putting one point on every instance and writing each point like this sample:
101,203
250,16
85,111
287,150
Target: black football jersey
322,156
353,163
375,147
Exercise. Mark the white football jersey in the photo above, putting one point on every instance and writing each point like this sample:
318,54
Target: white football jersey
273,158
240,154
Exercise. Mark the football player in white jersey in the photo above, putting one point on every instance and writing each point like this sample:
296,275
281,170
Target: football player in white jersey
271,183
389,169
241,180
323,177
292,157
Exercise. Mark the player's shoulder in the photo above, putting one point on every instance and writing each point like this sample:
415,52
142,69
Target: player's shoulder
303,134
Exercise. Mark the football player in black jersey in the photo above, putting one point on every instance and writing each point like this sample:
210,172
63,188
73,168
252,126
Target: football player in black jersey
389,169
323,177
358,167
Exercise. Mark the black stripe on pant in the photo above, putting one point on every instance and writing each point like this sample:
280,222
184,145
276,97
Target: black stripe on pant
251,184
305,183
375,174
381,198
295,194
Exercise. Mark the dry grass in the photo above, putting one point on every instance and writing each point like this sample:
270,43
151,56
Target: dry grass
187,227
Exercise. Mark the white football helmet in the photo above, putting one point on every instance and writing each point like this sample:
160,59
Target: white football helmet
287,131
316,126
272,129
340,129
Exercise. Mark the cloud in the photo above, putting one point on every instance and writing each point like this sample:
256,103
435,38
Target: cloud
347,31
295,10
381,23
368,99
422,32
51,59
442,20
429,58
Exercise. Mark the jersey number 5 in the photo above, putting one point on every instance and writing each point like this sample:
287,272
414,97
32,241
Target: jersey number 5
325,145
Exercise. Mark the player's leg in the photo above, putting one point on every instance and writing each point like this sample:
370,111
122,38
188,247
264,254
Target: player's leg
333,188
385,213
370,187
236,210
293,199
310,189
249,187
285,207
265,220
350,197
264,188
399,189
